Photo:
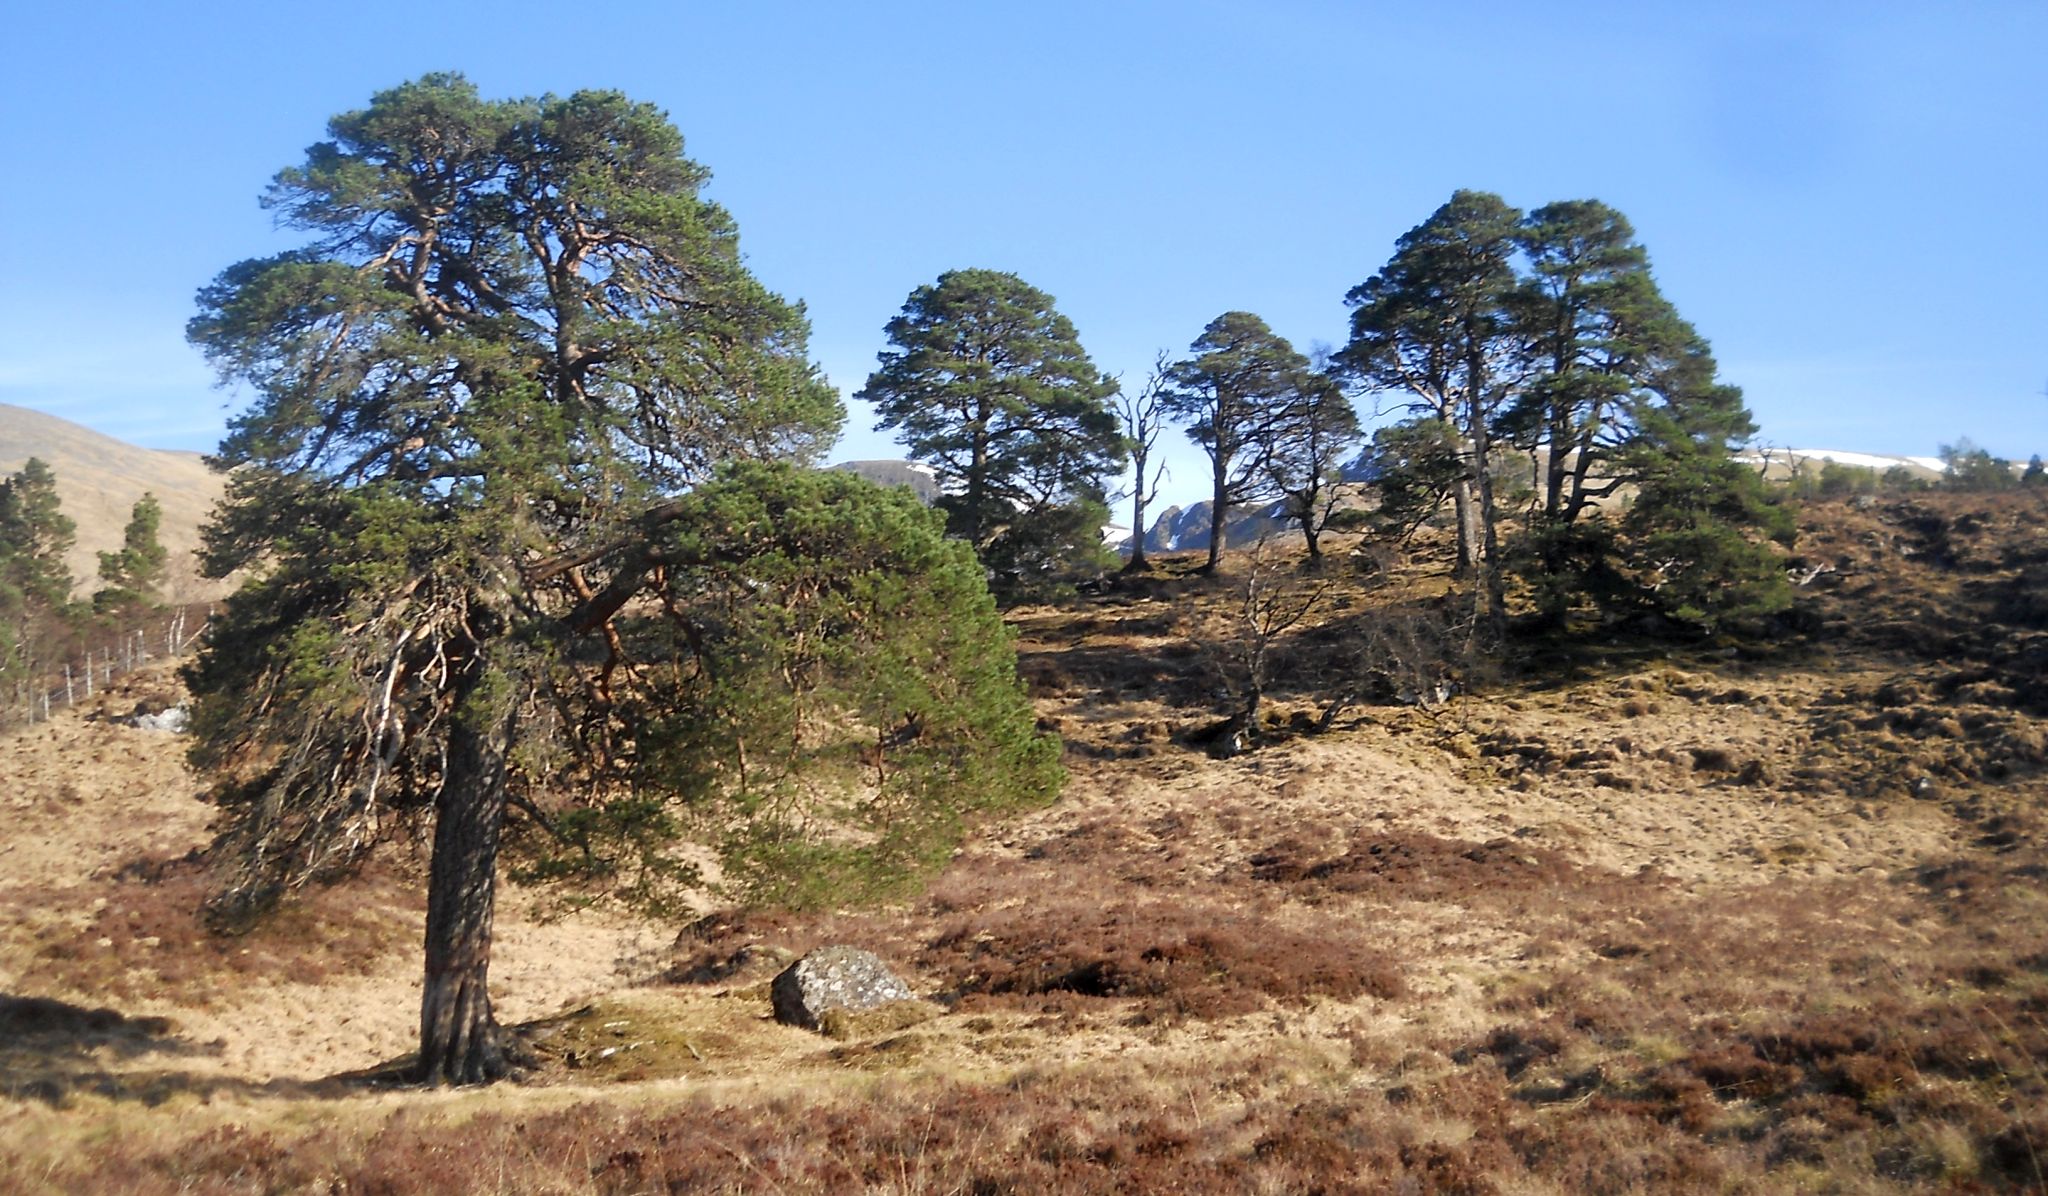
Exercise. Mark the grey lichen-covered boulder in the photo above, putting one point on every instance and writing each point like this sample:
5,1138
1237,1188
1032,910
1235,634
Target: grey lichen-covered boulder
171,721
833,978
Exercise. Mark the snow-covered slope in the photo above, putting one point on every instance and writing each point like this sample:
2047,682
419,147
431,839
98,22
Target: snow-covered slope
1878,461
1789,458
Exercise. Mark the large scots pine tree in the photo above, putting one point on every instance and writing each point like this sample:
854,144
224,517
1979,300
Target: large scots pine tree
988,384
491,392
1547,335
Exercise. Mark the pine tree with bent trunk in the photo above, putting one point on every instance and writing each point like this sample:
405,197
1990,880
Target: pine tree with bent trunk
1305,446
1230,394
515,336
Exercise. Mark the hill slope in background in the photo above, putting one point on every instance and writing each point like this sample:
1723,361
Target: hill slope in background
1778,463
98,480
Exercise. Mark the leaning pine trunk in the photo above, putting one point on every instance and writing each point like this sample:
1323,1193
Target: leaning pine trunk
1310,533
460,1040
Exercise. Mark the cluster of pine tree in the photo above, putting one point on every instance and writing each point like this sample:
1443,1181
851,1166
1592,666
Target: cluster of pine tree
1541,339
41,624
987,383
1965,468
1545,336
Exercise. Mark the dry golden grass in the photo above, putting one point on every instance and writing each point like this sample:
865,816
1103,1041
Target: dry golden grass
1635,919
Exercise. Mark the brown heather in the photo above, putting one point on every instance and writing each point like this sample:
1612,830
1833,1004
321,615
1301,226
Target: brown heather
1636,918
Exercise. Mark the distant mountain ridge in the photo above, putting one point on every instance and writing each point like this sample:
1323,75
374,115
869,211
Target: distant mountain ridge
98,480
891,472
1186,529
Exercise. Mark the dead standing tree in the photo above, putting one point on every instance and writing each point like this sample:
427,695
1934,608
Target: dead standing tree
1143,416
1239,639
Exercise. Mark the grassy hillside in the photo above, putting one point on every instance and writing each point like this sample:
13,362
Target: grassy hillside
99,479
1635,917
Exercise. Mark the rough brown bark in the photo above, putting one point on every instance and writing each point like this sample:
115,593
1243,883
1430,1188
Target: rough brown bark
977,475
1218,508
460,1039
1311,532
1466,508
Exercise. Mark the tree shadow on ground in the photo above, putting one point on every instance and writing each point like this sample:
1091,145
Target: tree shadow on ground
52,1051
1173,675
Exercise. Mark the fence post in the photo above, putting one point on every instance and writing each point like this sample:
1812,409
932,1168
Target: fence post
68,699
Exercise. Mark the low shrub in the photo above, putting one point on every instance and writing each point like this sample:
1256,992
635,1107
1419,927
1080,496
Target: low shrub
1179,959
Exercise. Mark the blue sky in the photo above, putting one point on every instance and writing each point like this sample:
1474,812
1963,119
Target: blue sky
1850,201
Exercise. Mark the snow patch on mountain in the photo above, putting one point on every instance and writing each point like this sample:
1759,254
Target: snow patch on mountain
1877,461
